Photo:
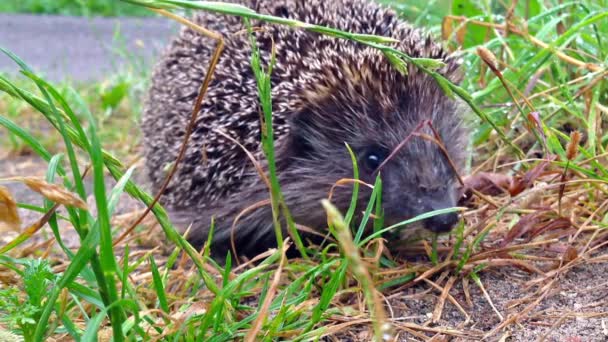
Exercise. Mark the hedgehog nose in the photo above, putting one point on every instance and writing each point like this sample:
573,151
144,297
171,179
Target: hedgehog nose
441,223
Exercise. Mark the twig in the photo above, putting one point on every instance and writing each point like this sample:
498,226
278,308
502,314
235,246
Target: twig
193,117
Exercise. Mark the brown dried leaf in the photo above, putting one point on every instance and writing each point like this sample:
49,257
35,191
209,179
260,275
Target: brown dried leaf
9,216
447,29
524,225
488,183
53,192
556,224
570,255
520,184
484,183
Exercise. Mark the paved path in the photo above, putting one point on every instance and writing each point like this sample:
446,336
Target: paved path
81,49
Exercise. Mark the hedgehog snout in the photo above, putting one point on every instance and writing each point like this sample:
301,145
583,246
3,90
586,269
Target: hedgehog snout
441,223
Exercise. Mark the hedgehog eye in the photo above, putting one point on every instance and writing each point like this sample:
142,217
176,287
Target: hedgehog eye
373,158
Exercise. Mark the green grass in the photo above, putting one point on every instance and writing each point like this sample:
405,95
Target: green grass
105,8
548,79
117,103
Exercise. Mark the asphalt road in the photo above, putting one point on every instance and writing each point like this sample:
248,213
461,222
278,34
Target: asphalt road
82,49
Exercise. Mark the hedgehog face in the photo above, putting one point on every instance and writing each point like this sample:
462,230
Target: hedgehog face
417,179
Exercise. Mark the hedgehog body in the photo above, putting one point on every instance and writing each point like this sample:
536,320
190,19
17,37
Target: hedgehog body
326,92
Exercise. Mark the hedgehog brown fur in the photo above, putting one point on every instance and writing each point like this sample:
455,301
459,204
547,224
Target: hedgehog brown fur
326,92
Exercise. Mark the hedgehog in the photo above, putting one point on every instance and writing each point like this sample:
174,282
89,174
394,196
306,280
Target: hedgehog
326,93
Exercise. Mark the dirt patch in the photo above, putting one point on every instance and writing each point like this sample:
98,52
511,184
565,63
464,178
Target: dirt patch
575,308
